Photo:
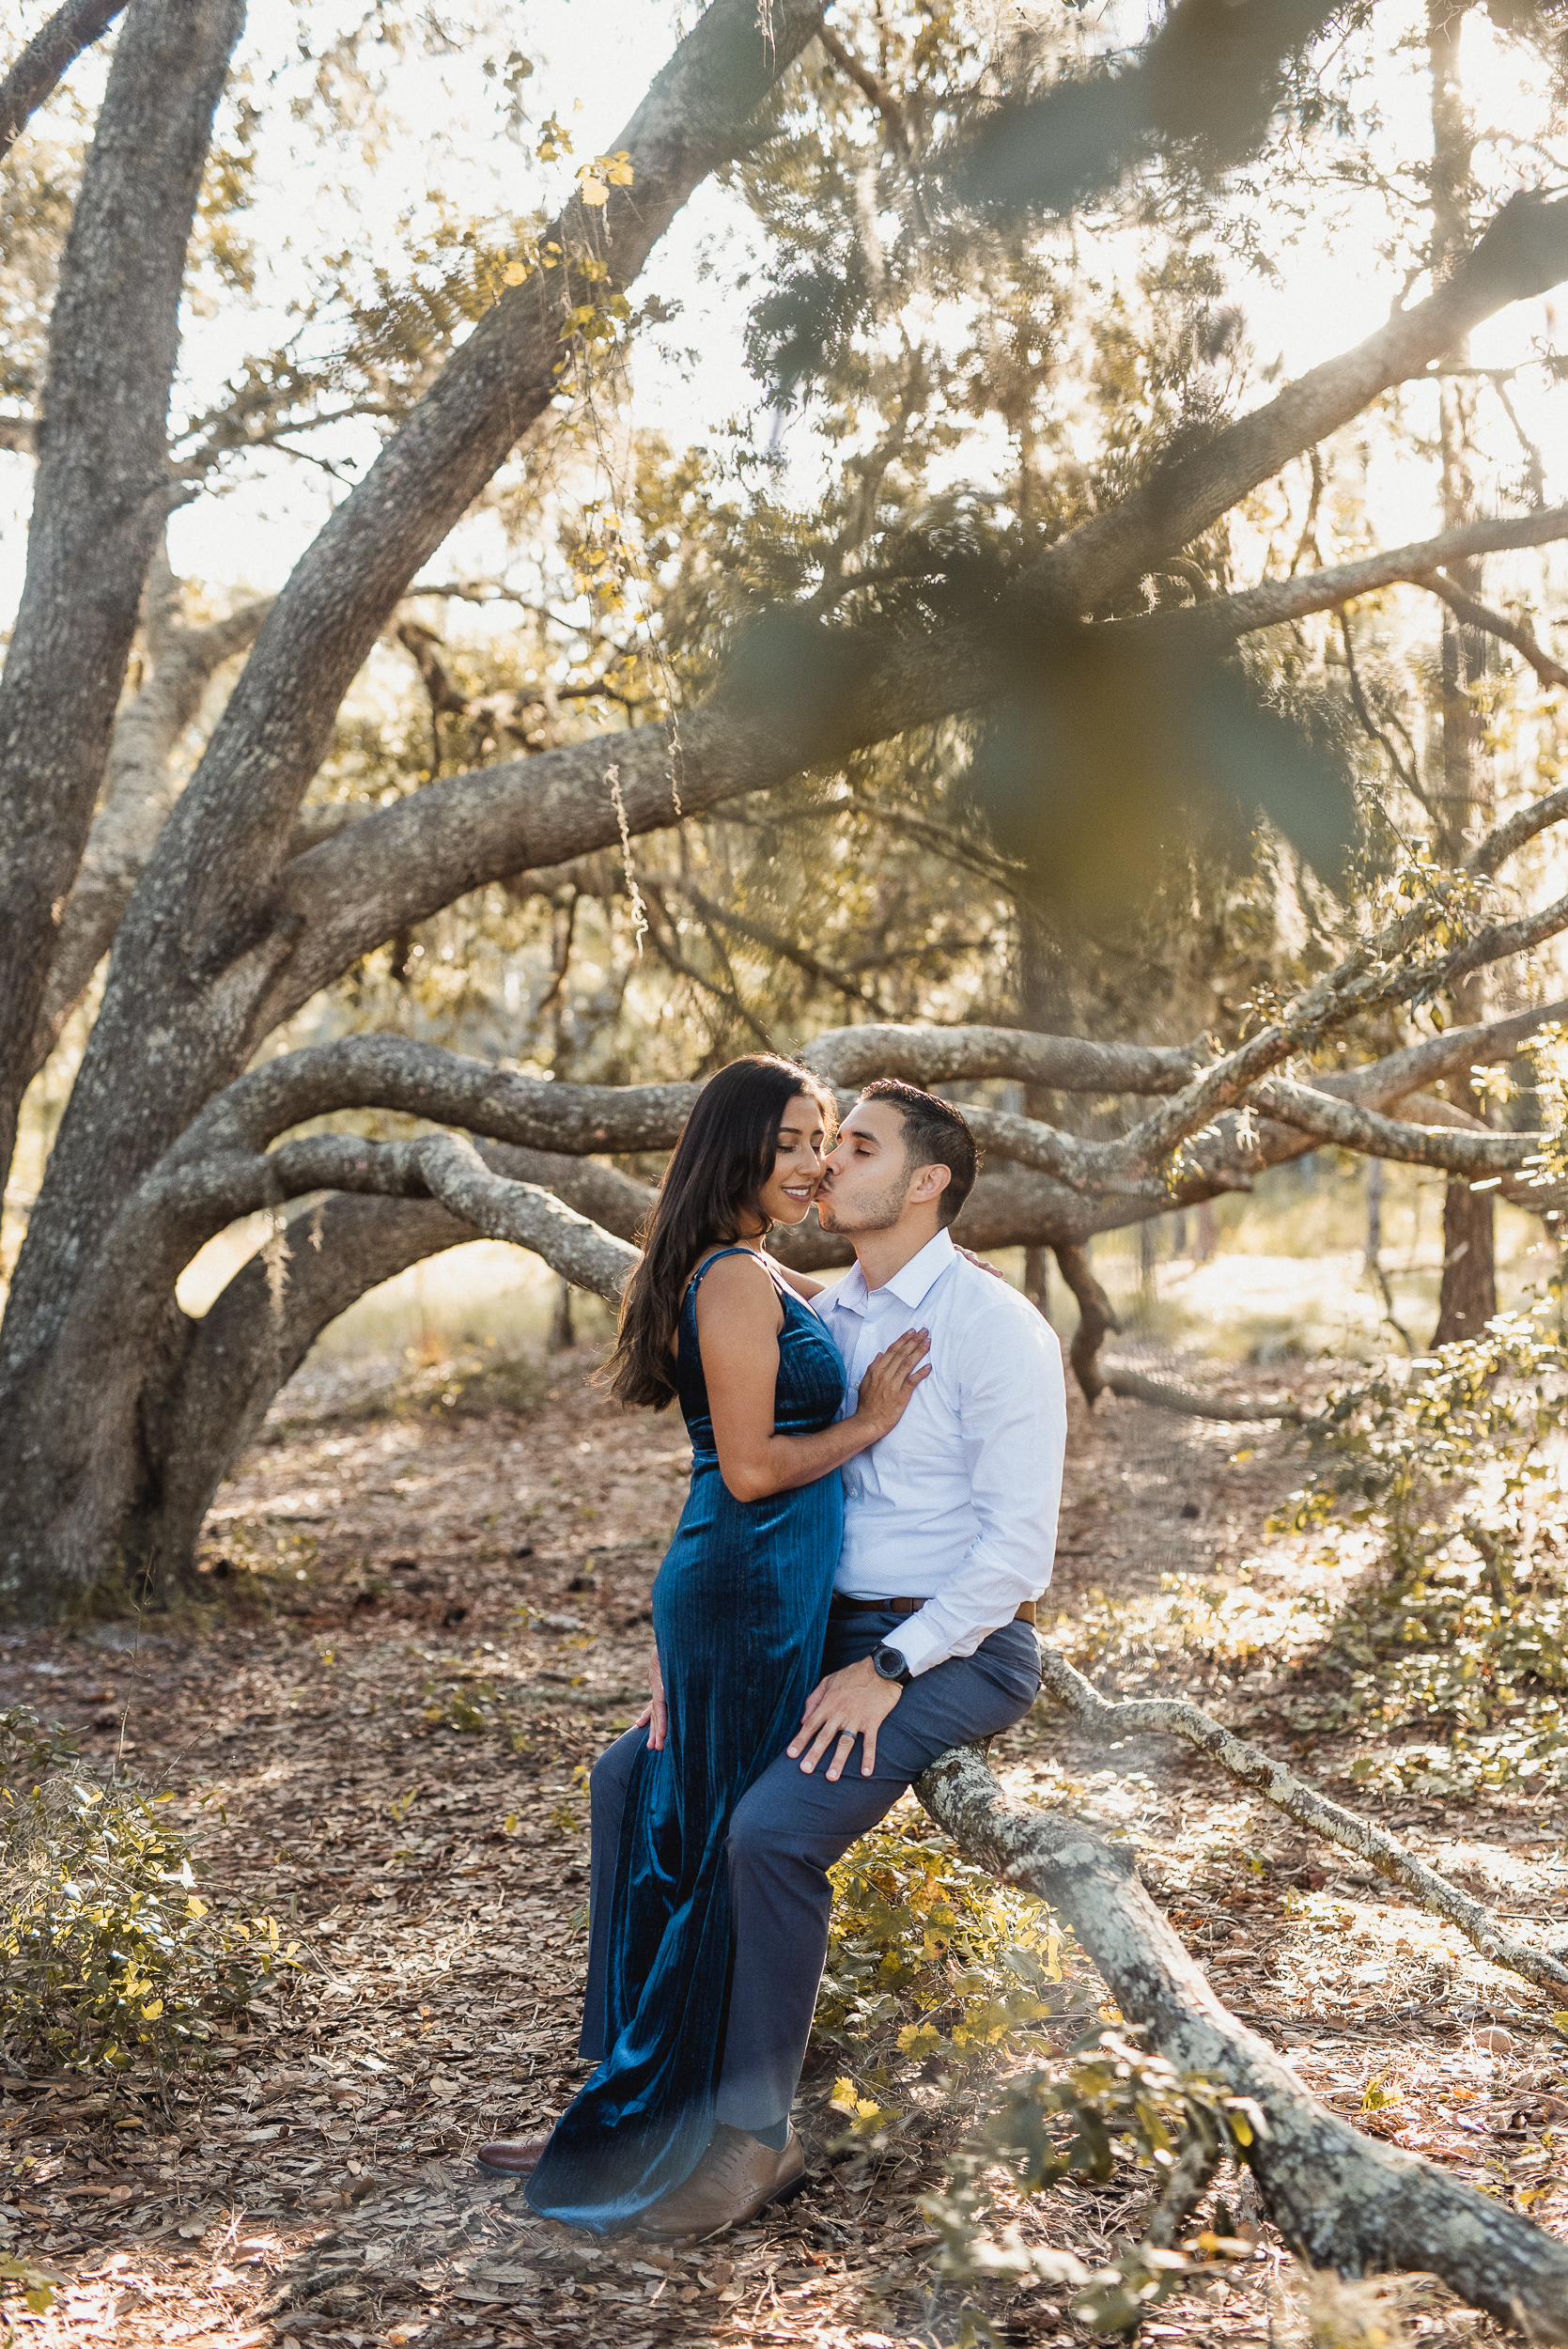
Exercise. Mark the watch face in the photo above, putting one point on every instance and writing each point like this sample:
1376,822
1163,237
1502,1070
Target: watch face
888,1661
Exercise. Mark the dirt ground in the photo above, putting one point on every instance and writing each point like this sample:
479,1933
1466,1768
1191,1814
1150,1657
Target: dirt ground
429,1611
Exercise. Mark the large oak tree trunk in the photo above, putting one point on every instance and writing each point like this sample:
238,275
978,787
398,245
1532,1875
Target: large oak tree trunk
102,489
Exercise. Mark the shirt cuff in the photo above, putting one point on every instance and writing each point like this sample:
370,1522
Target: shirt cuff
918,1645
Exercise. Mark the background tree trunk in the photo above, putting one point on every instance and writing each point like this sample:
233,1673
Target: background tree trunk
1468,1297
1045,1009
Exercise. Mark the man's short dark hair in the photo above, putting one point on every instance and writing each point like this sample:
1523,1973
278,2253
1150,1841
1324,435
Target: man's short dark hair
935,1134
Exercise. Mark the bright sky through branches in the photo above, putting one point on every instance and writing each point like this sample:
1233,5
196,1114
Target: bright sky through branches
445,138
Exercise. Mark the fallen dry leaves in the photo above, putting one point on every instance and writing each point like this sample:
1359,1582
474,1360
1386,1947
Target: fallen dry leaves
424,1625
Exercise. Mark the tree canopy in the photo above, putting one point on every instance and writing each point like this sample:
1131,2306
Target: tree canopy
1046,655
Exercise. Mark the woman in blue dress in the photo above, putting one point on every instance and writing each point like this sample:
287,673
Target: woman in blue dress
740,1614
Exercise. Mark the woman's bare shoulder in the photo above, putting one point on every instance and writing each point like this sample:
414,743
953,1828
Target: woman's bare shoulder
739,1282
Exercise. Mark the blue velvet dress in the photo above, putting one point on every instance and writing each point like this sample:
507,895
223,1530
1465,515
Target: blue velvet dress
739,1616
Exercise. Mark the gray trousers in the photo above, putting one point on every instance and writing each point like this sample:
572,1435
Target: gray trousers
786,1833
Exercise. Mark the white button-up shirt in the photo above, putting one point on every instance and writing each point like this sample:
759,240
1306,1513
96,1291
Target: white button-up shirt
960,1498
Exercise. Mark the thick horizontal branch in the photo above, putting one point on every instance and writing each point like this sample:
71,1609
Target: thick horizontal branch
393,1073
1174,1718
1064,1063
1327,1120
1343,2201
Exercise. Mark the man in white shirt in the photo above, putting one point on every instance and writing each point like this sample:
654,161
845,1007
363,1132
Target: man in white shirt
949,1530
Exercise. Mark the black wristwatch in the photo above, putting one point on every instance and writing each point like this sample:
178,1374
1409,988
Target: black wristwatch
887,1663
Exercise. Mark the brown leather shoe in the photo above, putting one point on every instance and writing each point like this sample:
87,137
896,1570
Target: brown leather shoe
512,2157
735,2179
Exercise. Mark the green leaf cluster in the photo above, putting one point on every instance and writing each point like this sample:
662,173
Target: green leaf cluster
1466,1624
1391,1450
108,1954
1106,2104
932,1966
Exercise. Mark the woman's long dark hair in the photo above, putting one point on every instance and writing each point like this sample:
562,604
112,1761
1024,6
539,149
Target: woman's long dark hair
708,1193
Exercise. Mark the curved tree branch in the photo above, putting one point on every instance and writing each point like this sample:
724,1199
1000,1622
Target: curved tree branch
393,1073
527,1215
1064,1063
1274,603
1474,1154
53,50
1524,252
1480,616
1173,1717
1096,1316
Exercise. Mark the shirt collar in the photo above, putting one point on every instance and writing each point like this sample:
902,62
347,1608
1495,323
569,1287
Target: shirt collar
912,1281
909,1283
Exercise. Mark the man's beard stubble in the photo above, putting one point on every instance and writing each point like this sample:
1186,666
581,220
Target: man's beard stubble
879,1214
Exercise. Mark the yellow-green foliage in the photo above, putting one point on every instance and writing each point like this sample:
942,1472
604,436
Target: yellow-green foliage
1468,1625
1081,2115
108,1953
1388,1451
931,1963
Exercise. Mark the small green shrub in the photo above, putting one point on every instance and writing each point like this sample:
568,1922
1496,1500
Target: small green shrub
1081,2115
932,1966
108,1953
1392,1451
1465,1621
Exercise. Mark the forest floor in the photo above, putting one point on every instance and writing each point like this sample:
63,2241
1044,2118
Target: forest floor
429,1611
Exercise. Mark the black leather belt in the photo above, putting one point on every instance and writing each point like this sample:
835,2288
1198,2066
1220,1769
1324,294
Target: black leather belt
844,1605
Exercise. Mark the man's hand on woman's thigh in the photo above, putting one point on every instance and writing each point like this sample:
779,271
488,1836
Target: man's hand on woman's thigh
847,1705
